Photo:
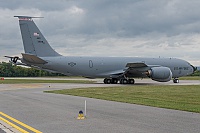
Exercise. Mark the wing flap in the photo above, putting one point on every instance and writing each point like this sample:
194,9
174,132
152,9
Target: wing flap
136,65
33,59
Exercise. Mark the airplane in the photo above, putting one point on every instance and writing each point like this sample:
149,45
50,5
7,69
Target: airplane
39,54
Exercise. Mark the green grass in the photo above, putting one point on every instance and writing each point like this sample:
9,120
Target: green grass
17,81
185,98
190,78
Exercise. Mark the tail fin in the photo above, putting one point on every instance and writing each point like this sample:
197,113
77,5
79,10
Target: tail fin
33,40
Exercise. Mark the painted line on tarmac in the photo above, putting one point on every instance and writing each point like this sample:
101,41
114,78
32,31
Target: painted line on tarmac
13,125
18,122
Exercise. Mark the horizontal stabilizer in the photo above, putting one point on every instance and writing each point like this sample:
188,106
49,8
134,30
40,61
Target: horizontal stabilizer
13,59
33,59
136,65
27,17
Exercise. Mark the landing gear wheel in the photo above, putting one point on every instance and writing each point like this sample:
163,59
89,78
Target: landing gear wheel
123,81
114,81
176,80
107,81
131,81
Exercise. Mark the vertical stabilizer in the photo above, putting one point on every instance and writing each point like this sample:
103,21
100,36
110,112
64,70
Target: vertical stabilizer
33,40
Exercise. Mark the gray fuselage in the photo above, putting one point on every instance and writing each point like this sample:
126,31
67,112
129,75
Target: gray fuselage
108,66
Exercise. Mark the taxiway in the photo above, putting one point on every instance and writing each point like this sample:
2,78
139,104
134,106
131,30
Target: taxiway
57,113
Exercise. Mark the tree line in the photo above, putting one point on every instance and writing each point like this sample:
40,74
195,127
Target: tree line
10,70
196,73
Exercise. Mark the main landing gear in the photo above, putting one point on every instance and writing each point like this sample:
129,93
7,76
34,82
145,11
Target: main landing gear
176,80
121,81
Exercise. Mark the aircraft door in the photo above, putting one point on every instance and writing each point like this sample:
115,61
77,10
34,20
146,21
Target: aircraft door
90,64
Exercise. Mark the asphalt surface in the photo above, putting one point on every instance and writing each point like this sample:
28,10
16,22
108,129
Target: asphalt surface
1,131
55,113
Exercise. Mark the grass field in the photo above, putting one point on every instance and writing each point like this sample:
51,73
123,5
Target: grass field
190,78
17,81
185,98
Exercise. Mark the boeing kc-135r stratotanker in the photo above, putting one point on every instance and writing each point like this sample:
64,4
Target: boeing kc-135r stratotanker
39,54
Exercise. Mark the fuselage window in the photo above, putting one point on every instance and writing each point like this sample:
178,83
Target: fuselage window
180,68
175,68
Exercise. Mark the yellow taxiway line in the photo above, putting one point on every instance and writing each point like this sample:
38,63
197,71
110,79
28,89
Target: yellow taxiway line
18,122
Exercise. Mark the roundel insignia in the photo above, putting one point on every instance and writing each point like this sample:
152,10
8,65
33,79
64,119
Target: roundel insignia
72,64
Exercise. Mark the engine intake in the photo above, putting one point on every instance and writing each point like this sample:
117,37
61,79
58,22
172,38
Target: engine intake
160,74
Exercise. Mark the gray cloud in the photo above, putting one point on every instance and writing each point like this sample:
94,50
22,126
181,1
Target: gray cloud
167,28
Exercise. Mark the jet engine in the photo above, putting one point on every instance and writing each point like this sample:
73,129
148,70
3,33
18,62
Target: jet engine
160,74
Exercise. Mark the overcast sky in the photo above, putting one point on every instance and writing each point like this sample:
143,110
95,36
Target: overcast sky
137,28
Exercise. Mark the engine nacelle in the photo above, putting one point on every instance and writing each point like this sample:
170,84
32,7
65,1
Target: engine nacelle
160,74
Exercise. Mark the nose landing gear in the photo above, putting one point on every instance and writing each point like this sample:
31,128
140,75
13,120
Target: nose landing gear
176,80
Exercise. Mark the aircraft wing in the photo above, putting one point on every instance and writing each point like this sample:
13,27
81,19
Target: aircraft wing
131,70
136,65
139,69
136,69
142,70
